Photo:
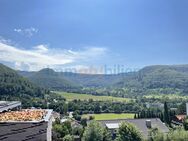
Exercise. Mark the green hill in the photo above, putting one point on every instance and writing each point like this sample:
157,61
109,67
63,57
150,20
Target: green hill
13,85
167,79
92,80
48,78
158,77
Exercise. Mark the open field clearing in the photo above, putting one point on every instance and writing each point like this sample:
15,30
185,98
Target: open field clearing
73,96
110,116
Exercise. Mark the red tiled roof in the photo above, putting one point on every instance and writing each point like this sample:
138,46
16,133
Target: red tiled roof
180,117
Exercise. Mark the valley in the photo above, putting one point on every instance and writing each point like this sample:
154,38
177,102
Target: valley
153,92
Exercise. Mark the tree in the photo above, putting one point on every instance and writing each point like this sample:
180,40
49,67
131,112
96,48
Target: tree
155,135
182,108
97,108
107,135
135,116
60,130
117,109
138,115
161,116
128,132
67,124
78,131
68,138
93,132
84,122
185,124
166,114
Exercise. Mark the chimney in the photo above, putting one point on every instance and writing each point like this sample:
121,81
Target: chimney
187,109
148,123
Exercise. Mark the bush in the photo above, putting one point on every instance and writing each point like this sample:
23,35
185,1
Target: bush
68,138
93,132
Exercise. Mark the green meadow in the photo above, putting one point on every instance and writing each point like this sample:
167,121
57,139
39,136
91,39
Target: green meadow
110,116
76,96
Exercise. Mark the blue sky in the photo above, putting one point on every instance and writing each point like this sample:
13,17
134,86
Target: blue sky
84,33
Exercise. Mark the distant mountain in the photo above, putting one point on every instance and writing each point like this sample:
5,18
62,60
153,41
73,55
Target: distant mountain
67,80
151,77
160,79
14,85
159,76
50,79
93,80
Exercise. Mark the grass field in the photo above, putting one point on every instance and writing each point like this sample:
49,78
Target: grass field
110,116
73,96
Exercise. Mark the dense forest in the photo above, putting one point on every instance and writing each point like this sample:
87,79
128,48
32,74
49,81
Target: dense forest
48,78
13,86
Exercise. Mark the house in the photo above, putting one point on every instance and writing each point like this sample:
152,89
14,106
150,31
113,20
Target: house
143,125
179,118
25,124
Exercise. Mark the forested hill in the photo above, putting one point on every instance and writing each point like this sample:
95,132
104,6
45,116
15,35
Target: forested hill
151,77
67,80
174,76
48,78
13,85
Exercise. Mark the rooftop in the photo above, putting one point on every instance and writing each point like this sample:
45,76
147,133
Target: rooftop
25,115
180,117
139,123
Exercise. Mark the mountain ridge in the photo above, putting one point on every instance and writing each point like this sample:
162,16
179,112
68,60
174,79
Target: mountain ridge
149,77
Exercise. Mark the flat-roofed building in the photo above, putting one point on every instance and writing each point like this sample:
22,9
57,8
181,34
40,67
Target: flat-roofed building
26,125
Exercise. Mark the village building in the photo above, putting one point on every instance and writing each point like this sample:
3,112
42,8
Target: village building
143,125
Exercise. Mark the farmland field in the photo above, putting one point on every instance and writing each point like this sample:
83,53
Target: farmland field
73,96
110,116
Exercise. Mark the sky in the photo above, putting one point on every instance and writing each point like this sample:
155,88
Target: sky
93,34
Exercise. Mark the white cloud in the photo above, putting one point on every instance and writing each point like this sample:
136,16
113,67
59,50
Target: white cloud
41,48
42,56
28,32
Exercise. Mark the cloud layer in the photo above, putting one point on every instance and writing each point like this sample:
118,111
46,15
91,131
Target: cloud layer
42,56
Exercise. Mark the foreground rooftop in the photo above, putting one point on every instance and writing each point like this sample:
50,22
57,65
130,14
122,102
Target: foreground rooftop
25,115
